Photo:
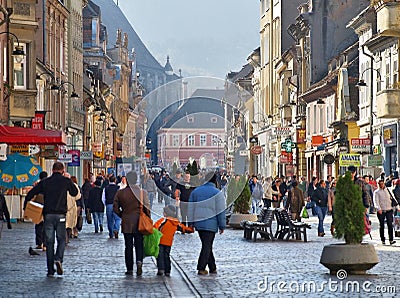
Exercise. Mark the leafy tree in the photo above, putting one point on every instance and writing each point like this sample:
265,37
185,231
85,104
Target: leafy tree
349,211
240,195
174,168
195,169
189,168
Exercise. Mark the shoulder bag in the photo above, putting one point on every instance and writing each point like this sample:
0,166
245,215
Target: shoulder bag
145,222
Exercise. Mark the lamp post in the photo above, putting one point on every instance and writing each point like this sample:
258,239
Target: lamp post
18,54
361,83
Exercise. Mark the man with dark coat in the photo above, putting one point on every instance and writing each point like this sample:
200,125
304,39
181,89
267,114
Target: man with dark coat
127,205
96,205
4,213
113,220
54,190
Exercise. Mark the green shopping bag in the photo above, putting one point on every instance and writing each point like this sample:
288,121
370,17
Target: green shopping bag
304,214
151,243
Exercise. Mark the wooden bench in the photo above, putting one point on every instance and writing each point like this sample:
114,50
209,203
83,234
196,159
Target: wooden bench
262,226
287,228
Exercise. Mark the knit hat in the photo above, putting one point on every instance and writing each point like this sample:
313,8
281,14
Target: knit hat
170,211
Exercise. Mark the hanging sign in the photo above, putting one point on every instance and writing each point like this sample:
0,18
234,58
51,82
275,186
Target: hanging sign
349,159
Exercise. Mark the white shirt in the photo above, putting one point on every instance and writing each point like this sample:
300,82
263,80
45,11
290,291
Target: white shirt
382,200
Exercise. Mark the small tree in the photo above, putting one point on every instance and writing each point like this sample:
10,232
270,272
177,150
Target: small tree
195,169
174,168
241,195
349,211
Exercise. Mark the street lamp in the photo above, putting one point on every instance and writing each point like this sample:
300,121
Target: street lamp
18,52
361,83
57,88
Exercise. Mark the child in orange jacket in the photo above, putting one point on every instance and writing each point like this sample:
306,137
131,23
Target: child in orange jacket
168,225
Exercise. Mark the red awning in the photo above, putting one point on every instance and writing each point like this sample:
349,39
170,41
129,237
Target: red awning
22,135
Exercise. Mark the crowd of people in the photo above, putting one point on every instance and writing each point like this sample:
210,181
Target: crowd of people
319,196
200,205
187,207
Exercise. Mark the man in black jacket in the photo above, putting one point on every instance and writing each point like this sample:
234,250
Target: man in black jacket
113,220
4,212
54,190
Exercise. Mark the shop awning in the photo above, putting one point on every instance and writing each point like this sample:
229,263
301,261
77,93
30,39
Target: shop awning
22,135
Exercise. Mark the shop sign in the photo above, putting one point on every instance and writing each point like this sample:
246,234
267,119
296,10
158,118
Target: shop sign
76,160
329,159
256,150
317,140
360,145
375,161
286,158
283,131
301,136
389,135
22,149
65,157
3,151
48,151
86,155
350,159
38,120
377,149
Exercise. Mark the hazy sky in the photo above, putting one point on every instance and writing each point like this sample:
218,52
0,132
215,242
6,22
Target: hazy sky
202,37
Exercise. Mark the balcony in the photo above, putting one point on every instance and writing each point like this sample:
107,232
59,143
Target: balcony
388,17
388,103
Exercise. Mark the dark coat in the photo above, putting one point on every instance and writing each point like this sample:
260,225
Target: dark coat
95,203
295,200
320,196
127,206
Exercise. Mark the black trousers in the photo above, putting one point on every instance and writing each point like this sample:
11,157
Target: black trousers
206,254
267,203
39,233
131,240
163,259
389,220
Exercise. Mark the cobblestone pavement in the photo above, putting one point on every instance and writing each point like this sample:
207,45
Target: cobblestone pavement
94,267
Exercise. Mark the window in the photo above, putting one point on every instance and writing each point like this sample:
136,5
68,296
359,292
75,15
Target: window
190,119
214,119
266,45
387,78
175,141
395,74
20,70
314,116
215,140
203,140
190,140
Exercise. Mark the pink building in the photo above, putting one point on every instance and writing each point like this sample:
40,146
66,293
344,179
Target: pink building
194,132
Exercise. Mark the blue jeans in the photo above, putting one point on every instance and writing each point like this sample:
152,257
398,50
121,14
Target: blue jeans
321,212
113,220
54,225
255,206
167,200
152,196
97,220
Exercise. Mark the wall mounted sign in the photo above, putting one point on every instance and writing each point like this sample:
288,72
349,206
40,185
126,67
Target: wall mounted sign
329,159
349,159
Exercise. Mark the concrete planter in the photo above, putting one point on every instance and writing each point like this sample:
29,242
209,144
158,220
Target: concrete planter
236,218
354,258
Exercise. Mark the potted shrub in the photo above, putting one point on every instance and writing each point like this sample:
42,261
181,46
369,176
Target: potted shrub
353,256
238,194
